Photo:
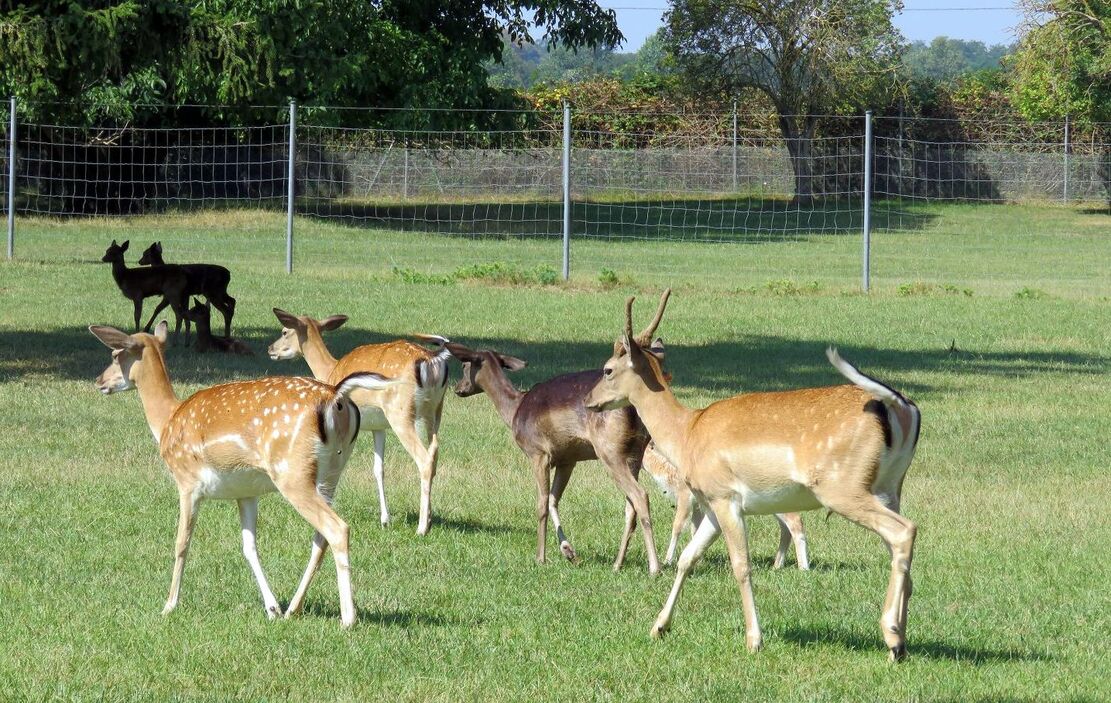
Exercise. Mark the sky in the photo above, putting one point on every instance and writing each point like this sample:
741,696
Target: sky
921,19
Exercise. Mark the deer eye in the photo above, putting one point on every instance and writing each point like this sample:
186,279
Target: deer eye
608,371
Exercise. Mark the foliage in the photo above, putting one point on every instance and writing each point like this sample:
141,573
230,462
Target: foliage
1063,65
945,59
496,272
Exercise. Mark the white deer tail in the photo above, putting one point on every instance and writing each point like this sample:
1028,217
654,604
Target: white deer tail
433,373
902,412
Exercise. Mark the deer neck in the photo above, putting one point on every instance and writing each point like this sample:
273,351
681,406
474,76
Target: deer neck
155,392
319,359
119,271
505,397
667,420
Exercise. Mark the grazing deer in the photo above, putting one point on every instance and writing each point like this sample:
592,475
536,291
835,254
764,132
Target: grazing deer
138,283
239,441
208,280
846,448
201,316
412,408
687,511
553,429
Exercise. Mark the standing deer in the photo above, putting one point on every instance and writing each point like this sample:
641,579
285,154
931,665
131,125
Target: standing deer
201,316
687,511
554,430
239,441
846,448
411,408
138,283
208,280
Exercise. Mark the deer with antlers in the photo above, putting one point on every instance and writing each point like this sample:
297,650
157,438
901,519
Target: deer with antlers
412,408
239,441
554,430
846,448
137,284
687,511
208,280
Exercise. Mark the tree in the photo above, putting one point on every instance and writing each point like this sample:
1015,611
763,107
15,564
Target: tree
1063,64
946,59
807,56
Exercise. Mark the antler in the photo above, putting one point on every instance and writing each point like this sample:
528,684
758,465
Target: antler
629,317
645,337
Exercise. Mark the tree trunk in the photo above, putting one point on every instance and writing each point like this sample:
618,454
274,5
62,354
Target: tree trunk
798,133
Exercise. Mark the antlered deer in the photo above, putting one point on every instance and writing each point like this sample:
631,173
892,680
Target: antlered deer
844,447
411,408
688,512
208,280
238,441
138,283
553,429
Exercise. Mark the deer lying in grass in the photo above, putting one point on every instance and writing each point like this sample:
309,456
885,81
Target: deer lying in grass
553,429
846,448
687,511
208,280
411,408
239,441
137,284
201,316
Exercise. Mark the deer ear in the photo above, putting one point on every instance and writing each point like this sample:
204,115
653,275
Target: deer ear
331,323
461,352
287,319
657,348
162,331
511,363
112,338
124,246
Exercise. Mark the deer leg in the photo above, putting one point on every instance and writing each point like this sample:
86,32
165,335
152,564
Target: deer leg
379,475
187,518
138,304
541,468
319,546
791,530
402,424
898,533
248,521
317,511
559,484
707,532
624,473
626,535
683,500
162,305
732,523
226,305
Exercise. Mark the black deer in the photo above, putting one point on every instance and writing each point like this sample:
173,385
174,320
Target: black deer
138,283
208,280
201,314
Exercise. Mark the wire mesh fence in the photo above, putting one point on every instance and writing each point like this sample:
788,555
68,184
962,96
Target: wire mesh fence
652,197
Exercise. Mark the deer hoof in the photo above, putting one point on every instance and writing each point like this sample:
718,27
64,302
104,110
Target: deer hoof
658,631
569,552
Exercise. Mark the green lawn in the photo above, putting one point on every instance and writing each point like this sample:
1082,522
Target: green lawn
1009,487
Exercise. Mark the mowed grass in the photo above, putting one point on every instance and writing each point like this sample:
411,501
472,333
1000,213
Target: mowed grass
1008,489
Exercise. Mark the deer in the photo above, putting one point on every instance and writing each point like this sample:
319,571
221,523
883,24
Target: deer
846,448
201,316
208,280
411,409
550,425
136,284
239,441
688,513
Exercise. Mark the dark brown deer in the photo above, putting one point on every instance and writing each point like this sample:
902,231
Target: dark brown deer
553,428
208,280
138,283
201,315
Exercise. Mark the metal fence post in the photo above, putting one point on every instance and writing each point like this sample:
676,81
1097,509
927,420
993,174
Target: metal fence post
867,200
1065,186
292,191
405,176
566,190
734,146
11,182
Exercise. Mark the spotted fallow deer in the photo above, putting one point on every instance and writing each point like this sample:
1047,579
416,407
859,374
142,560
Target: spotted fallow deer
411,408
844,447
554,430
239,441
687,511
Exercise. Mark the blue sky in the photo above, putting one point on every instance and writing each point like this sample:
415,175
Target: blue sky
921,19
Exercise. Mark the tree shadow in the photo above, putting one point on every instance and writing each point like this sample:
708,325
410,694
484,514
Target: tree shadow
467,527
397,618
823,635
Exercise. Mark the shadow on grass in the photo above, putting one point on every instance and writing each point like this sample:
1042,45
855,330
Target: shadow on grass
752,363
404,619
824,636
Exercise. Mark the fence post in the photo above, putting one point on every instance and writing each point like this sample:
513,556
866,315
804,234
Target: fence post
566,190
1065,186
292,191
11,182
734,147
867,200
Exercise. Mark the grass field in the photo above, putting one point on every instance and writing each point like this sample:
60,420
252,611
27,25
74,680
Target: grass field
1009,487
